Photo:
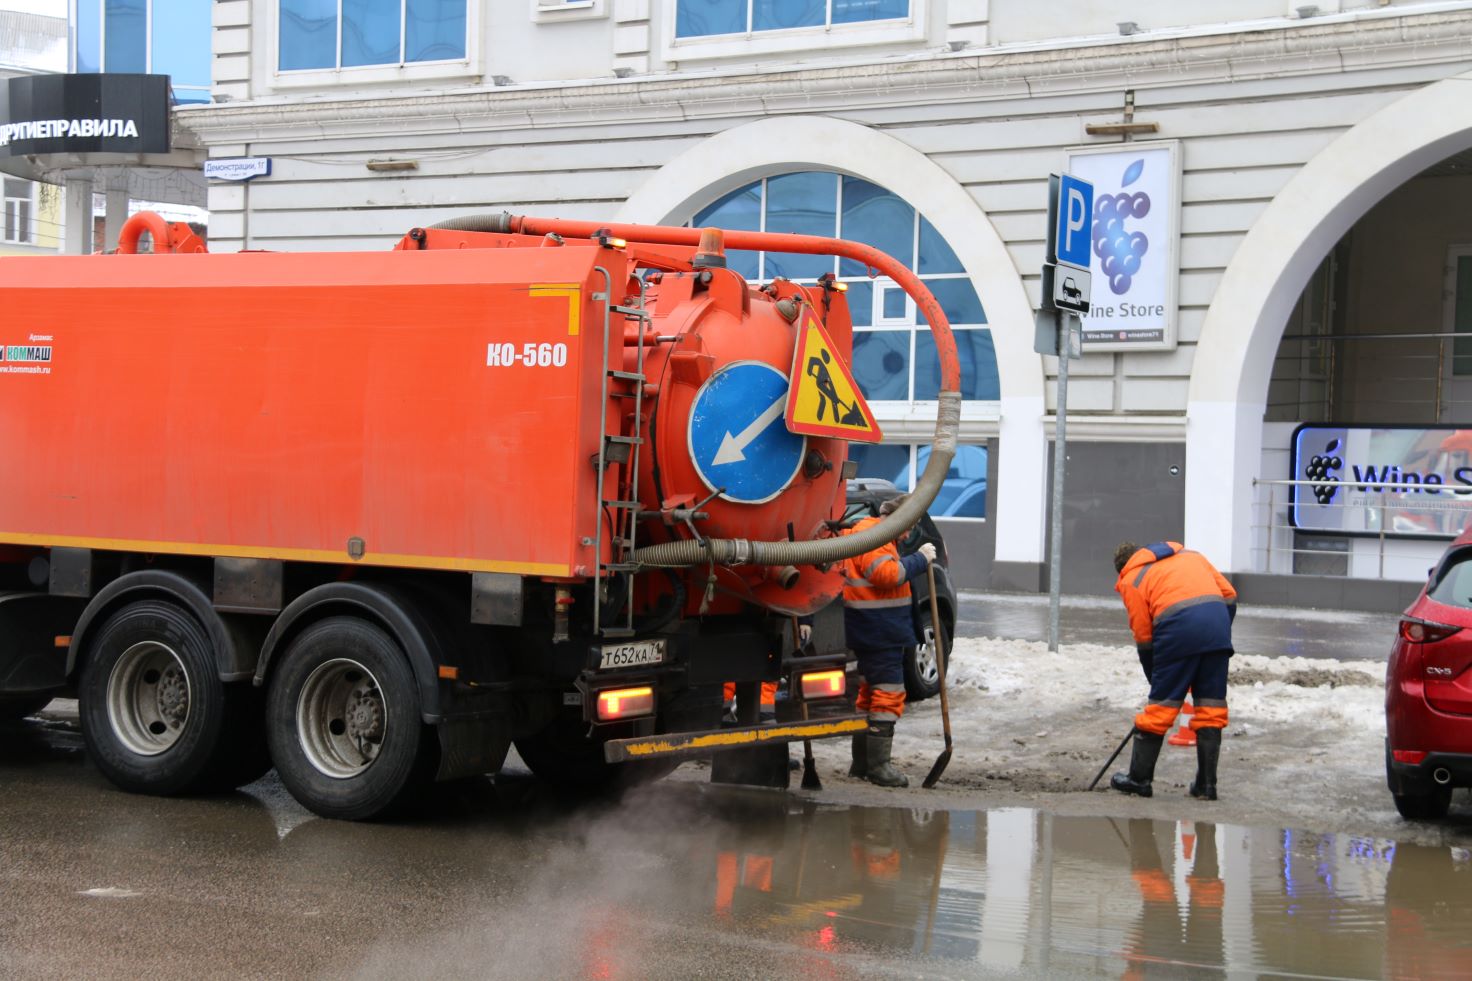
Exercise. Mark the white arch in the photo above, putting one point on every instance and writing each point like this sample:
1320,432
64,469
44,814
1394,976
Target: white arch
1244,324
742,154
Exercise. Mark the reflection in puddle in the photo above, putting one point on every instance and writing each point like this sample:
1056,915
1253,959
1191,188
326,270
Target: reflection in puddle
1018,890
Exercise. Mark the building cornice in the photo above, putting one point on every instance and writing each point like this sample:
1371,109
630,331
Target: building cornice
1301,49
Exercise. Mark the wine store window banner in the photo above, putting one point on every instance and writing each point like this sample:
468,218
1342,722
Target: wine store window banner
1402,481
1135,231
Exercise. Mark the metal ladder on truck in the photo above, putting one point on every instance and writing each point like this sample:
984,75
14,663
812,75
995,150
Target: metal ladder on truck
622,512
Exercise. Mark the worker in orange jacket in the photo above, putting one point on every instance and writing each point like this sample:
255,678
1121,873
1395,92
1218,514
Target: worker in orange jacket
1181,611
876,619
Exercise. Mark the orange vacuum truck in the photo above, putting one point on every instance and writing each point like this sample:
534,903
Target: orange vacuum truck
372,518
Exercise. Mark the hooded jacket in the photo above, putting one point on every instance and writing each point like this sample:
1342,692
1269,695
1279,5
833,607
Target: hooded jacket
876,595
1178,602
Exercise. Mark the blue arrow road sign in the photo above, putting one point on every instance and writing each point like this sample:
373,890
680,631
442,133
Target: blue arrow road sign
1075,208
738,441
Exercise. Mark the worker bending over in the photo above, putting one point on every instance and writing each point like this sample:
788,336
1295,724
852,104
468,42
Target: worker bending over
1181,611
877,621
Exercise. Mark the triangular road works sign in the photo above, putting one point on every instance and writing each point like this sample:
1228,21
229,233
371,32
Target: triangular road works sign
824,399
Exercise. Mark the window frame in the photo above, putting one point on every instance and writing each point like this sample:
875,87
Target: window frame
26,217
402,71
895,30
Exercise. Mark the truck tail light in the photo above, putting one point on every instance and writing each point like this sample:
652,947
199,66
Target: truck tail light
624,703
823,684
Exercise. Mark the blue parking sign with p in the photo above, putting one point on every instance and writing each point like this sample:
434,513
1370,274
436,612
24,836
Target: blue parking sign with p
1071,234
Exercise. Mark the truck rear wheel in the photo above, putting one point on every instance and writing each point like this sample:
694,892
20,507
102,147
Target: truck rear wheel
342,717
155,715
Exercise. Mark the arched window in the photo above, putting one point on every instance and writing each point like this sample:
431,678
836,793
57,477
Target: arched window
894,357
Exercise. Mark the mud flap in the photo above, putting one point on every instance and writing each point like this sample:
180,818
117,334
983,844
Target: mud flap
758,766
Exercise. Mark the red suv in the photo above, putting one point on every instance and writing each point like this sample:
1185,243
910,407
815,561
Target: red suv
1428,690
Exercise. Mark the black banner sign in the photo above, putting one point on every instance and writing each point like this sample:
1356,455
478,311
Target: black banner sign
110,113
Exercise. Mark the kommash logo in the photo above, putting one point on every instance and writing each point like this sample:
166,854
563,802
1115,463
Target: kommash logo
33,358
56,129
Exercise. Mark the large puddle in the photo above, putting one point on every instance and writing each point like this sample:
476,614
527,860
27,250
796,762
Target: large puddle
683,880
1017,890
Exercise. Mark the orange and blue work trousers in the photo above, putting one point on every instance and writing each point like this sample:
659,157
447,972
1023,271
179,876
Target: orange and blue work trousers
1203,675
882,688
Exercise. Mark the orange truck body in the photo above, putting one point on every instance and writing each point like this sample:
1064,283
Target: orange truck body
282,406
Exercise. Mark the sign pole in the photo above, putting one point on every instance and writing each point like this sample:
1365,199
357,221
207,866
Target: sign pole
1055,550
1067,291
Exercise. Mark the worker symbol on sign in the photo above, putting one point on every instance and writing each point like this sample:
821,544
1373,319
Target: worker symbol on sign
828,392
824,399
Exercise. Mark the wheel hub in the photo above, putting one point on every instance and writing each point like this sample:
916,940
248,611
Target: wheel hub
341,718
173,697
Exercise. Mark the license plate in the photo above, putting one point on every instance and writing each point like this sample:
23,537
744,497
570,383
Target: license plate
632,654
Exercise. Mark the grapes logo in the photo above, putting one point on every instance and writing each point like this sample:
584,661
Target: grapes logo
1118,249
1321,469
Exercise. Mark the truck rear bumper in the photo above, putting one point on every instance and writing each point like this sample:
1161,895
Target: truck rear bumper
677,745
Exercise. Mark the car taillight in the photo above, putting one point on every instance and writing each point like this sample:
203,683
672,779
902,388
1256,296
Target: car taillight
823,684
623,703
1412,756
1424,631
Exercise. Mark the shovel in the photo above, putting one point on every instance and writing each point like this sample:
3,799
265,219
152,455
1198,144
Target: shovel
944,759
1117,750
810,779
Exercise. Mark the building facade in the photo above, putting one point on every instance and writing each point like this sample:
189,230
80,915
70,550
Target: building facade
1283,226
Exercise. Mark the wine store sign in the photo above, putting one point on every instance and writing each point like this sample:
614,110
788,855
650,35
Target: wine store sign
1133,232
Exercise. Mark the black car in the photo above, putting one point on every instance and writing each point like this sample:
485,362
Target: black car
922,680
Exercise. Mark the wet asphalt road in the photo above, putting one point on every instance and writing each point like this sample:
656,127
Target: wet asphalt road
685,880
1269,630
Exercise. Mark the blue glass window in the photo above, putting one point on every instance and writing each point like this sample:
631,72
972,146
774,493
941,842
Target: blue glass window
434,30
881,364
963,494
370,32
125,36
856,11
958,301
978,365
801,204
89,36
741,211
308,34
181,47
703,18
114,36
935,255
876,217
775,15
884,462
708,18
374,32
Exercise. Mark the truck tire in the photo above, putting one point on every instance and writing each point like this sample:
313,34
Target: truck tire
155,715
14,707
564,756
343,721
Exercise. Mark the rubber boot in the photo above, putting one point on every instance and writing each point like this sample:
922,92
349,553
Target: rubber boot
860,765
880,740
1208,751
1142,766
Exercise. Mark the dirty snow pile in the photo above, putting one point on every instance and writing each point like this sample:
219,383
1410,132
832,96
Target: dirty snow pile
1025,678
